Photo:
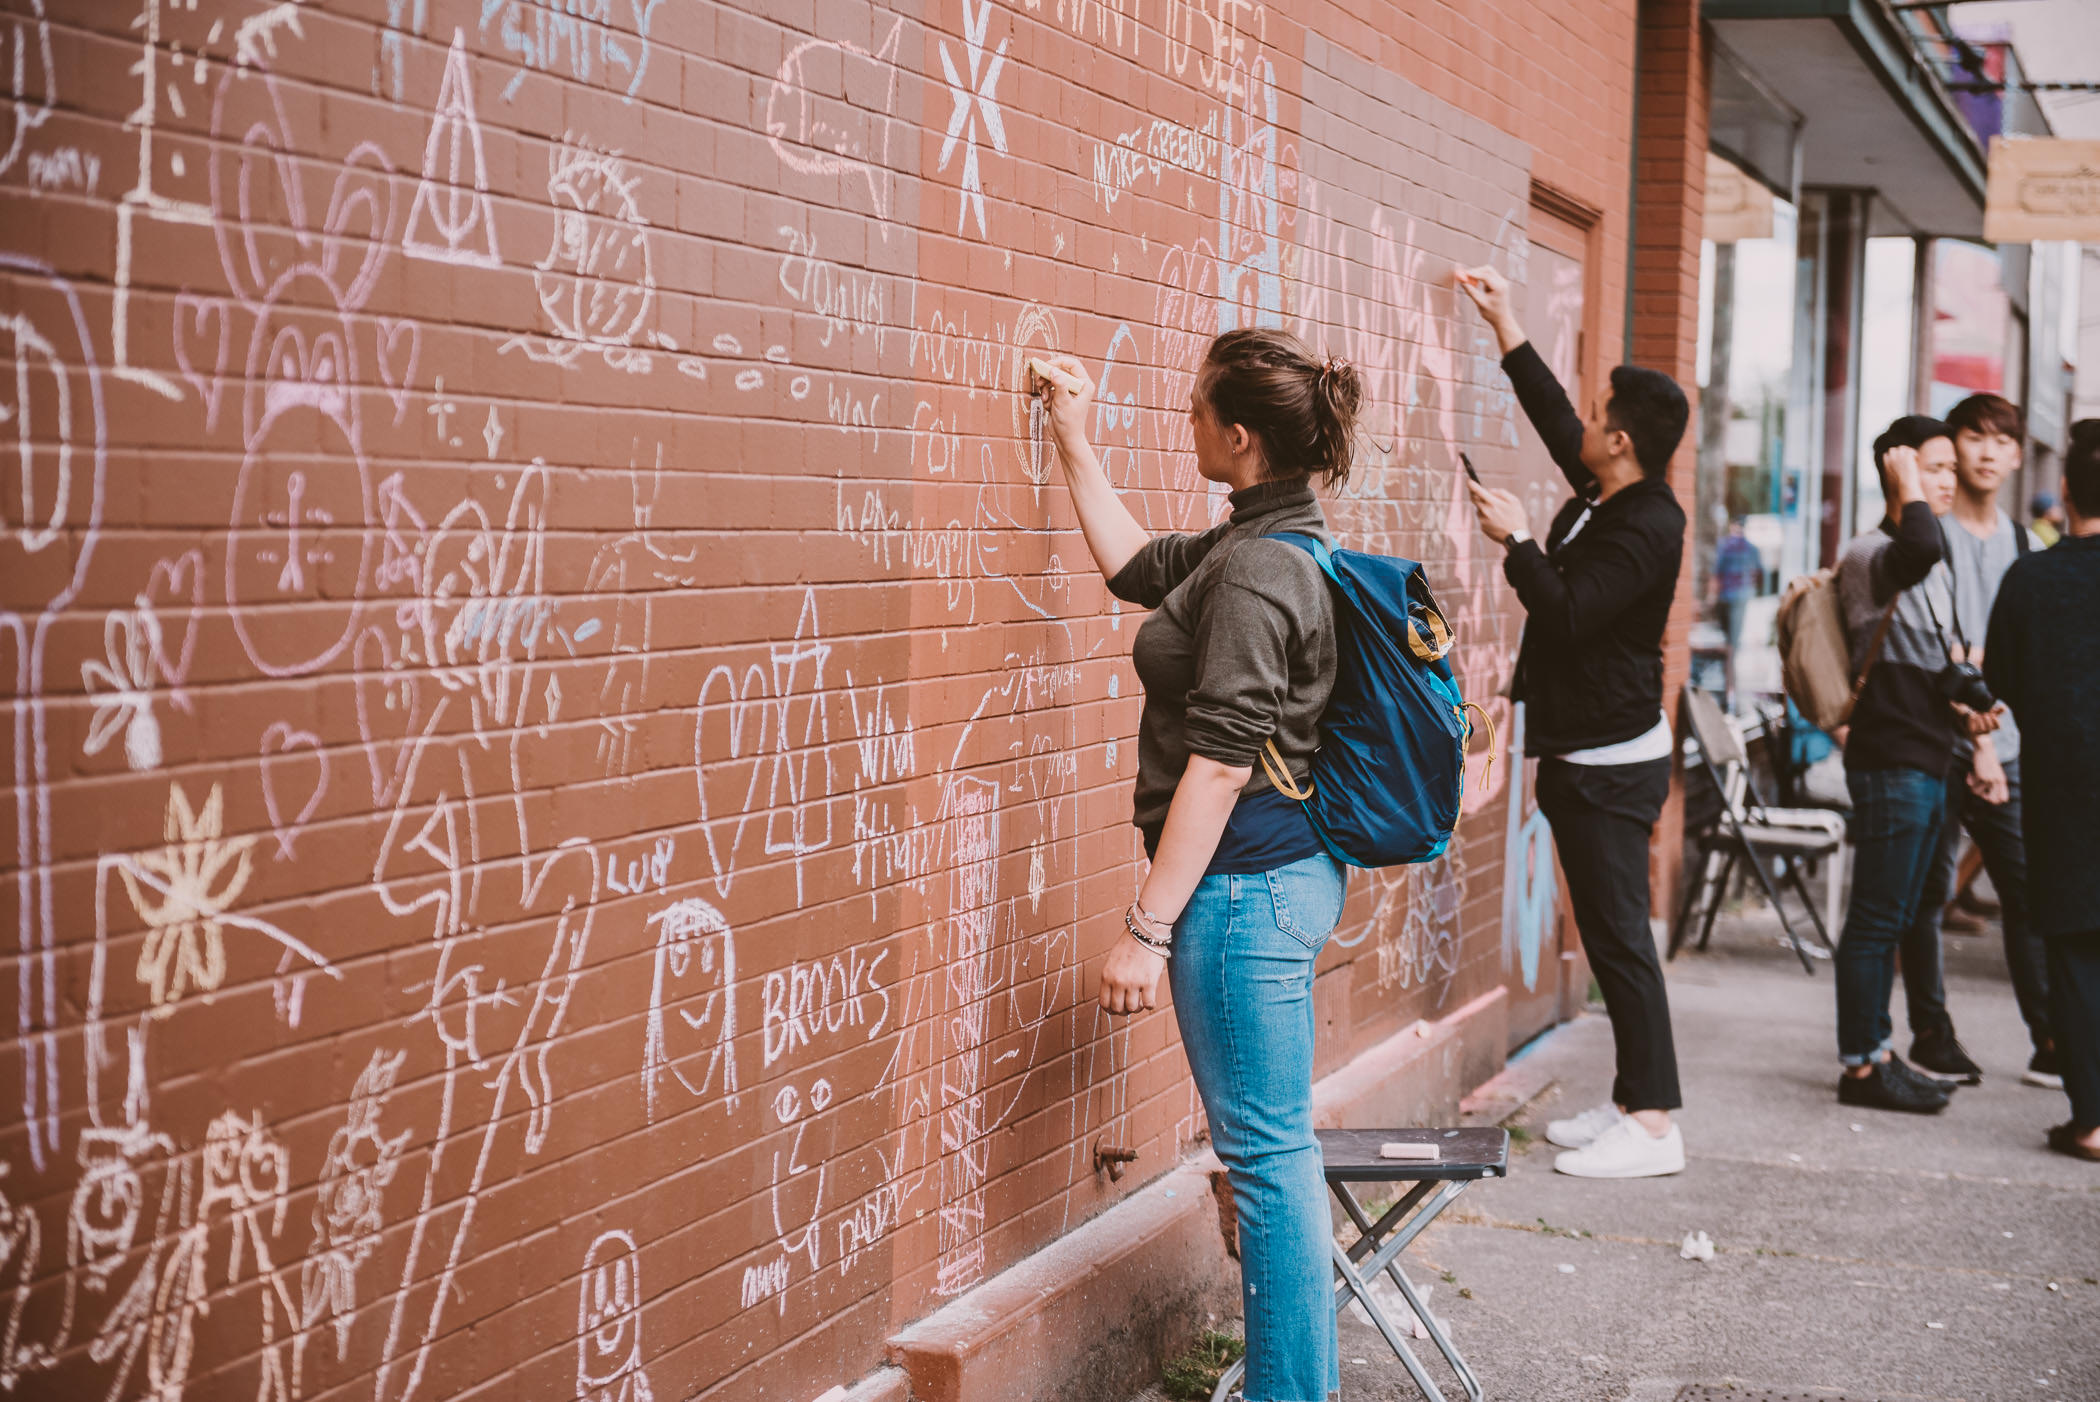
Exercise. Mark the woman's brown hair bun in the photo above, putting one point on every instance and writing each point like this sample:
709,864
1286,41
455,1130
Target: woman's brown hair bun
1301,410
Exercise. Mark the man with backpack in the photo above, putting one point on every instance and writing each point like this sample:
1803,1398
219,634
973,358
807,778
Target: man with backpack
1983,781
1596,596
1911,698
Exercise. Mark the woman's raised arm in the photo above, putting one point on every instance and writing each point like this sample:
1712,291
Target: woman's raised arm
1112,533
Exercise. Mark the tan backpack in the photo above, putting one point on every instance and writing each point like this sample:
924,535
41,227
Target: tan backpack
1815,660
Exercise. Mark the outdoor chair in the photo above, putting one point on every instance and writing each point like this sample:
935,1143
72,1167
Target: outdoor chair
1426,1187
1744,831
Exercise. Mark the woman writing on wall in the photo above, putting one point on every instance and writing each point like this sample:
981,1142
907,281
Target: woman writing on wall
1238,652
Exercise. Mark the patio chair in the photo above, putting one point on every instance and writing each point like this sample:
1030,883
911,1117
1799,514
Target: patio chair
1745,831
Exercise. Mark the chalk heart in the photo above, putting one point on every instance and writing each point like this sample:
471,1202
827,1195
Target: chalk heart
399,342
293,764
389,713
203,337
175,590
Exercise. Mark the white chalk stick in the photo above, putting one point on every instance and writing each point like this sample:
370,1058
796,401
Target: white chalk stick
1394,1149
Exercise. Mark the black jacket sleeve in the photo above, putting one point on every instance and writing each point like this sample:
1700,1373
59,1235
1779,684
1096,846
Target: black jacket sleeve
1911,554
1571,604
1546,405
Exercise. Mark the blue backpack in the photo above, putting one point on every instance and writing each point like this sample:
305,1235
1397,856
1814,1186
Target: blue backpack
1388,781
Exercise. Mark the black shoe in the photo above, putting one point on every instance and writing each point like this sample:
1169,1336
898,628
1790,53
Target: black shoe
1943,1054
2043,1071
1902,1070
1883,1088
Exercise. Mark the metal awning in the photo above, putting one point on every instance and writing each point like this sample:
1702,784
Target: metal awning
1873,114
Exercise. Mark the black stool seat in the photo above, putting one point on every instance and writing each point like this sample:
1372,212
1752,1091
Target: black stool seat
1352,1155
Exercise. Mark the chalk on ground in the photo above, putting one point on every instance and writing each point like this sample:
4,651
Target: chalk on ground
1698,1246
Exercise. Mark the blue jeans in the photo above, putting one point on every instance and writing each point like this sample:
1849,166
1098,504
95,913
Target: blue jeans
1242,976
1895,831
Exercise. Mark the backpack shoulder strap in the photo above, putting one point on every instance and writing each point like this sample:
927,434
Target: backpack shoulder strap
1881,633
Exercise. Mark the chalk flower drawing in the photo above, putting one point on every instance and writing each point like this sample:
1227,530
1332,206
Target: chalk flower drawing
122,688
198,875
975,101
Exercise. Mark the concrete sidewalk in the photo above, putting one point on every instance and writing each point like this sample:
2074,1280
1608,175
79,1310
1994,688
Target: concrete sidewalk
1866,1254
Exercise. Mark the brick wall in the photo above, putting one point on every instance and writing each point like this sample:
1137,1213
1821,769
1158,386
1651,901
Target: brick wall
570,777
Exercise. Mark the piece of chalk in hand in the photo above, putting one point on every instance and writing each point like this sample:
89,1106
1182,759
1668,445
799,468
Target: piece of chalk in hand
1394,1149
1042,369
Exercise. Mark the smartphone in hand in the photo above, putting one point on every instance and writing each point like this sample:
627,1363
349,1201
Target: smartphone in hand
1467,463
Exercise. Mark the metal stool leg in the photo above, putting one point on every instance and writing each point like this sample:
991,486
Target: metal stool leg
1384,1252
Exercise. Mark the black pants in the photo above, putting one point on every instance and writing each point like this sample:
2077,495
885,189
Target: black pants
1602,818
1996,828
2074,1007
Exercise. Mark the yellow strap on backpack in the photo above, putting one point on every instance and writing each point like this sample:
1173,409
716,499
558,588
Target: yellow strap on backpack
1487,771
1280,773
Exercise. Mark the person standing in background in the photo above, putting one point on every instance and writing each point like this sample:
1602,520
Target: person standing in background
1596,595
2048,519
2042,657
1739,571
1983,781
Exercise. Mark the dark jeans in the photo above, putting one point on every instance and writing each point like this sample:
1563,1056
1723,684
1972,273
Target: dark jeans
1895,831
1996,828
2074,998
1602,818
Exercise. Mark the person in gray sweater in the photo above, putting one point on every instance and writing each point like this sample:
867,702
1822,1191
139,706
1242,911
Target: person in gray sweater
1895,589
2042,658
1237,657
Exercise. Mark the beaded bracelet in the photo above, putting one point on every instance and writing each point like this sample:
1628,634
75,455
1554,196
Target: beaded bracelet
1155,943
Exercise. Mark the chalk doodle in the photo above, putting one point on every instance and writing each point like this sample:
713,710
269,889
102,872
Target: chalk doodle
609,1323
25,52
814,134
694,980
123,686
976,107
348,1207
591,41
451,219
596,283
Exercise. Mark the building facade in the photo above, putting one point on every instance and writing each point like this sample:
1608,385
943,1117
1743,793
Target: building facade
571,777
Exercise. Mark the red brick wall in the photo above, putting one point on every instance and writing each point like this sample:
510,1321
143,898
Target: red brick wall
570,774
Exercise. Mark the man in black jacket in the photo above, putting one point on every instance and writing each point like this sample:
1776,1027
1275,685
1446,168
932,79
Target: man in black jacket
2042,658
1596,597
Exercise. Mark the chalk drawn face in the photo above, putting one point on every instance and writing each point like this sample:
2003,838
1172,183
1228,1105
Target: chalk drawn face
609,1313
299,554
596,283
692,1005
102,1225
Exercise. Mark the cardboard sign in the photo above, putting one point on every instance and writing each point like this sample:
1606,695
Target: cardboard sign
2043,188
1737,207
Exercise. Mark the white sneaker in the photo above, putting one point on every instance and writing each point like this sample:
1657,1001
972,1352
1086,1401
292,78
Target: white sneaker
1626,1151
1582,1131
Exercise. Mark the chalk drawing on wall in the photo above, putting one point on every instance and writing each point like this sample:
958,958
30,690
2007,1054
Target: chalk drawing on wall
691,1032
451,219
122,686
609,1323
347,1212
577,41
54,431
596,284
26,68
971,806
1529,886
813,134
976,102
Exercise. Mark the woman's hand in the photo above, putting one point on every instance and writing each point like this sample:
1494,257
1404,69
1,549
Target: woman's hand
1067,392
1130,979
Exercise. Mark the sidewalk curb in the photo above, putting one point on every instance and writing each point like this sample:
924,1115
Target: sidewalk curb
1094,1314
